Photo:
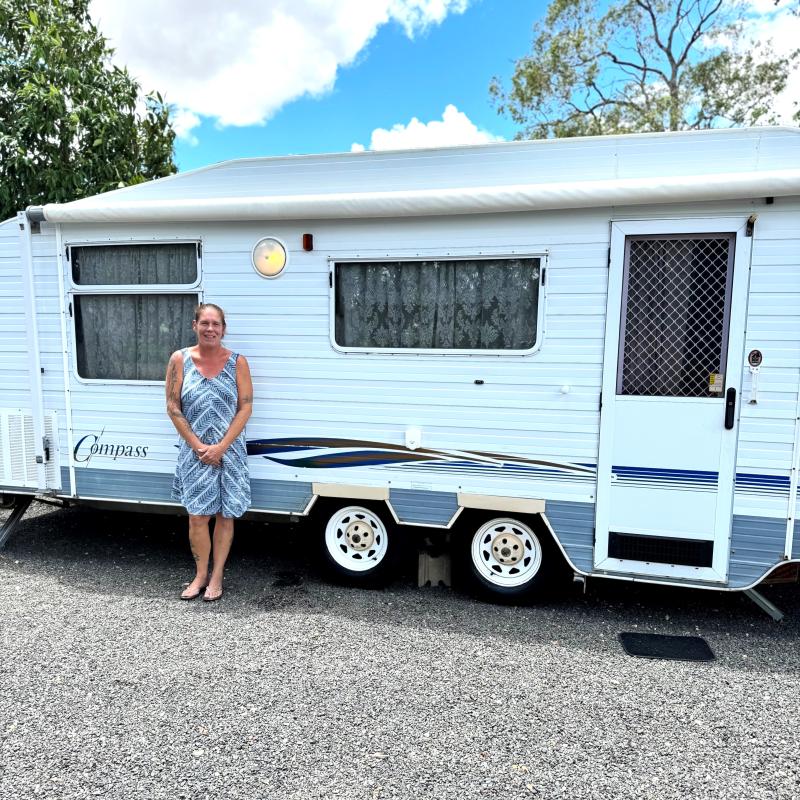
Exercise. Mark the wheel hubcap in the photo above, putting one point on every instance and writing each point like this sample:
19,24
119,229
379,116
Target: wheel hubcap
506,552
508,548
356,538
360,535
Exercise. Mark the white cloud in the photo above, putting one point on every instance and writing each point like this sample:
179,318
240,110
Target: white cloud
183,121
455,127
240,63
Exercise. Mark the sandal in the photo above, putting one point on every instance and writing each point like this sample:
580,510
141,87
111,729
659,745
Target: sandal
193,596
212,598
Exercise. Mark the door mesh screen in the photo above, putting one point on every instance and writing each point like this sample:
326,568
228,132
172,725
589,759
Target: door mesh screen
675,323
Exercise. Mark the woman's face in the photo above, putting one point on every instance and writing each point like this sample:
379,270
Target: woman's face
209,327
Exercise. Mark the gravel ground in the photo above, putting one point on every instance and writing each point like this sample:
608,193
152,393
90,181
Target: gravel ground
293,688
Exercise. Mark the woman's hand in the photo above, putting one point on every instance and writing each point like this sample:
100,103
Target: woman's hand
211,454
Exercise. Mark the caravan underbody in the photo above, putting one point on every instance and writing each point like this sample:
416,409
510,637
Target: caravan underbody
612,387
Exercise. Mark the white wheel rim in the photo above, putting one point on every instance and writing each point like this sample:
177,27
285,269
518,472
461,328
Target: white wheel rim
501,567
340,550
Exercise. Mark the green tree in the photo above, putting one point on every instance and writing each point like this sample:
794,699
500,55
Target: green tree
642,65
71,123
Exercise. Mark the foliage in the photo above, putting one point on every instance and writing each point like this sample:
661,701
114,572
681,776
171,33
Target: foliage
71,123
643,65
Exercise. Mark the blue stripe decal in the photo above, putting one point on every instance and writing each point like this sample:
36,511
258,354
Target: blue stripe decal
489,470
330,453
699,480
679,474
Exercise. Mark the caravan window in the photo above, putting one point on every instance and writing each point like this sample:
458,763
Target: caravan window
131,307
130,336
137,264
470,304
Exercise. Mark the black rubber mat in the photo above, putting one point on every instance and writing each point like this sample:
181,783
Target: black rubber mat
676,648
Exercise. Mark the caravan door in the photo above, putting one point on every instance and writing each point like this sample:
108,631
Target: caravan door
671,391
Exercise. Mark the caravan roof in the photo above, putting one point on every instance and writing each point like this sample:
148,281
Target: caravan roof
509,176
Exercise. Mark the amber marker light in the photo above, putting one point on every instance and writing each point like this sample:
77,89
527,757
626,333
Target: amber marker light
269,257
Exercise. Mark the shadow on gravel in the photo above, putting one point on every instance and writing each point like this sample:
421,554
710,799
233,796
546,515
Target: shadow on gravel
272,570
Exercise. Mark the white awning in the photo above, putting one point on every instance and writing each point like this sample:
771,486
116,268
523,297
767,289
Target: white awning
426,202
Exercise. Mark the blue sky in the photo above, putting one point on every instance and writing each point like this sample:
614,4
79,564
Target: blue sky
273,77
394,79
305,76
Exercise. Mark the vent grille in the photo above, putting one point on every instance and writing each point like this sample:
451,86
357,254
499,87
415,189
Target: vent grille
660,549
18,450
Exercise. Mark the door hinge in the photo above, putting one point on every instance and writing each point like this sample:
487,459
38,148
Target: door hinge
330,280
600,402
544,276
608,262
69,308
199,249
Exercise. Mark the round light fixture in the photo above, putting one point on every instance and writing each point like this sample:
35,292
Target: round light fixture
269,257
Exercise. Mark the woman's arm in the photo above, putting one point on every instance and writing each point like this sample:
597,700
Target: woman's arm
244,408
174,408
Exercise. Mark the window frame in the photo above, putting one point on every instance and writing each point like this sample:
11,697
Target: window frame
77,290
438,255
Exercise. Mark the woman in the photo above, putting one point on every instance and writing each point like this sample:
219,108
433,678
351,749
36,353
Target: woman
209,400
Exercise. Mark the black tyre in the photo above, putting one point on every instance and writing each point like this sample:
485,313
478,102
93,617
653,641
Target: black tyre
359,543
506,559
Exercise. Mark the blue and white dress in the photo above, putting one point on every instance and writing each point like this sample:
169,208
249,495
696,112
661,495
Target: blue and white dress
209,405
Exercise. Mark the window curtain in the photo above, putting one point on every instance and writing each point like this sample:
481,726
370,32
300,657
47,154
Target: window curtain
131,336
134,264
471,305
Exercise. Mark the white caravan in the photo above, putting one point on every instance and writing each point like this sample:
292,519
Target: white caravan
580,353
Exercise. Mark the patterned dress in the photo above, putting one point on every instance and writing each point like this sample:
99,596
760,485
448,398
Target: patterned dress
209,405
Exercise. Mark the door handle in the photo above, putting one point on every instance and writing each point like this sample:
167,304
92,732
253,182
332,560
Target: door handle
730,407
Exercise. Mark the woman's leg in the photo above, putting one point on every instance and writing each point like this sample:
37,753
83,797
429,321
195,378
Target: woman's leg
200,542
223,538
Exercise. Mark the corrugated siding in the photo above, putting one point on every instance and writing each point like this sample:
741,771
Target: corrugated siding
14,380
124,484
287,496
304,387
573,524
767,428
421,507
756,545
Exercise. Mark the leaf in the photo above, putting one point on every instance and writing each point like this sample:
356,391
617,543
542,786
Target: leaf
647,65
59,93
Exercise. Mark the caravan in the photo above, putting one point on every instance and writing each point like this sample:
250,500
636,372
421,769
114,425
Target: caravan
580,353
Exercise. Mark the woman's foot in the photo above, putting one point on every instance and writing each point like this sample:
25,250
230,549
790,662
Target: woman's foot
213,592
194,589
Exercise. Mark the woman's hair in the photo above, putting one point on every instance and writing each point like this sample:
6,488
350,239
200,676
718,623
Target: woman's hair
203,306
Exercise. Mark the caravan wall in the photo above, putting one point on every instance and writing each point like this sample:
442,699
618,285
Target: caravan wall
523,425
